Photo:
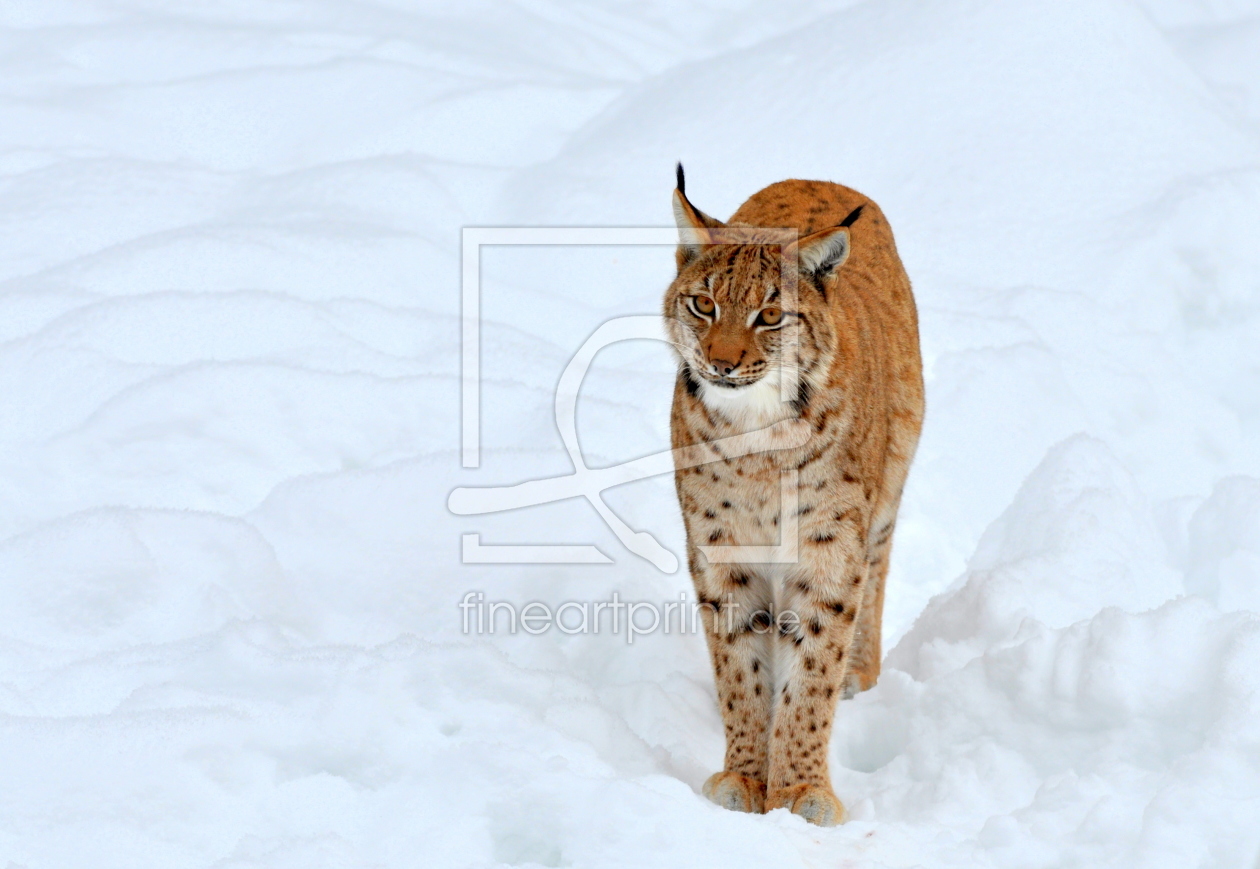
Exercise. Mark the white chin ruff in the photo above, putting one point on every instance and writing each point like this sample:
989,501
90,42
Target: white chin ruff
748,407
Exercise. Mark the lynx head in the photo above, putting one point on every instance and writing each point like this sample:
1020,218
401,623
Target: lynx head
748,310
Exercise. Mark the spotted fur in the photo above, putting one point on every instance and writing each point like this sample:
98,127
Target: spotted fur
788,641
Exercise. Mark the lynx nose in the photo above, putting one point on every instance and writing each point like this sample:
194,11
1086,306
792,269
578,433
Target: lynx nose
723,367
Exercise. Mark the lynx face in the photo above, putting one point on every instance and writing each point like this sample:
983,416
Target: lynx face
751,343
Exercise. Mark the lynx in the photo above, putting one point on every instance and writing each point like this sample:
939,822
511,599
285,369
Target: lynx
832,312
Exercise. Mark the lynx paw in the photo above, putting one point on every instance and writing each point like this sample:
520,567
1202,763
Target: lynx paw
730,790
814,803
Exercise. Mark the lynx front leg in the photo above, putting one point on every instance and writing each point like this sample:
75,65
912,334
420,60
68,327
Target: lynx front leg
735,605
815,638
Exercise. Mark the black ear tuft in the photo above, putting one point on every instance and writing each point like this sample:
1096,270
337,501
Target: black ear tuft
848,221
682,182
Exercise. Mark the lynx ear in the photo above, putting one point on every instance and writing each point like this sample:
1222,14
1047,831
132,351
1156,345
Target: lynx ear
693,225
823,252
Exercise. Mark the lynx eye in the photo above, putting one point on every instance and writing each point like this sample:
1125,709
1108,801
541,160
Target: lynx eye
703,305
770,317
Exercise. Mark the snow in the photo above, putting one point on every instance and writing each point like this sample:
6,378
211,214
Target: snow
230,632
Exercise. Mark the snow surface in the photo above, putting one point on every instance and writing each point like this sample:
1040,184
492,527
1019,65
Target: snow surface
229,424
